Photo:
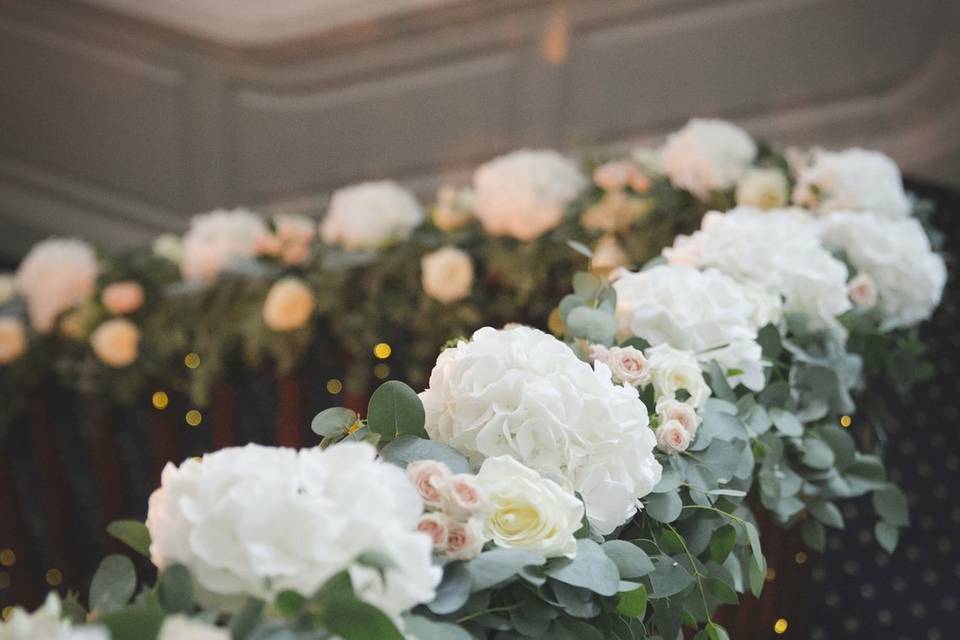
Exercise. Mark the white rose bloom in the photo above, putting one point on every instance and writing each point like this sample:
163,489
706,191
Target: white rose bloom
851,180
8,287
528,511
672,438
180,627
370,215
763,188
673,370
896,254
447,274
216,238
707,155
13,339
56,275
705,312
525,193
523,393
254,521
46,624
779,251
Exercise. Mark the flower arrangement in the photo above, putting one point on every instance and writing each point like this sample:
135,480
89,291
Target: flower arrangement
599,482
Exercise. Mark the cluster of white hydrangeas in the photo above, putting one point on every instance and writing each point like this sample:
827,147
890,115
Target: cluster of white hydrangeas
851,180
905,275
254,521
216,238
707,155
522,393
55,276
779,251
525,193
370,215
705,312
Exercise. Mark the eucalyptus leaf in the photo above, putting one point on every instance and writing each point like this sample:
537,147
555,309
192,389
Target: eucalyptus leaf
826,513
454,590
633,604
493,567
395,410
631,560
113,584
592,324
175,589
425,629
786,423
664,507
408,448
333,421
887,535
590,568
891,505
132,533
669,578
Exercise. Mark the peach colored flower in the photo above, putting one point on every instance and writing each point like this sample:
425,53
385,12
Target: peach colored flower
121,298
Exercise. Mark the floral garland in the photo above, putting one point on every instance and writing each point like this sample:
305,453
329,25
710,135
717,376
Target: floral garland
597,484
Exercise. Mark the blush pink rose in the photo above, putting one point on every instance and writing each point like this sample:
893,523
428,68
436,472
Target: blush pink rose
434,524
464,497
672,438
464,540
431,480
121,298
863,291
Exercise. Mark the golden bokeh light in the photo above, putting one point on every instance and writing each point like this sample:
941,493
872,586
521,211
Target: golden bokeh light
780,626
54,577
381,371
160,400
8,557
193,418
334,386
382,350
846,421
191,360
801,557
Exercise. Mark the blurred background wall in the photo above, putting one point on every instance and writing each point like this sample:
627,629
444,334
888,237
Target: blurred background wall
120,118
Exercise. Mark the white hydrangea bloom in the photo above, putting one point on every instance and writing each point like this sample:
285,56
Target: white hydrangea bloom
851,180
707,155
525,193
523,393
778,250
57,275
370,215
216,238
254,521
46,624
896,255
705,312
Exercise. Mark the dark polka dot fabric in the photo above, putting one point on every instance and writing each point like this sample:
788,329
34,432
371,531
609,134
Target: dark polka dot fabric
857,590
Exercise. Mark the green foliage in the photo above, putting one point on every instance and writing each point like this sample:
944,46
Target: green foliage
407,448
395,410
133,533
113,584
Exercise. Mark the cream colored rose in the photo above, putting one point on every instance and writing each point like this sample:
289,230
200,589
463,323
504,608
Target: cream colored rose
180,627
447,274
673,371
763,188
13,339
8,287
464,539
435,525
863,291
672,438
431,480
528,511
454,208
669,409
116,342
464,498
121,298
288,305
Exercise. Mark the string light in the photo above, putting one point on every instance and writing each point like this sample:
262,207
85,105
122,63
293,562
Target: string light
193,418
8,557
191,360
381,371
160,400
801,557
382,350
334,386
780,626
846,421
54,577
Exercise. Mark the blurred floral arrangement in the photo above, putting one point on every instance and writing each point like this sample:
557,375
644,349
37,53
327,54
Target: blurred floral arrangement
378,269
600,482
